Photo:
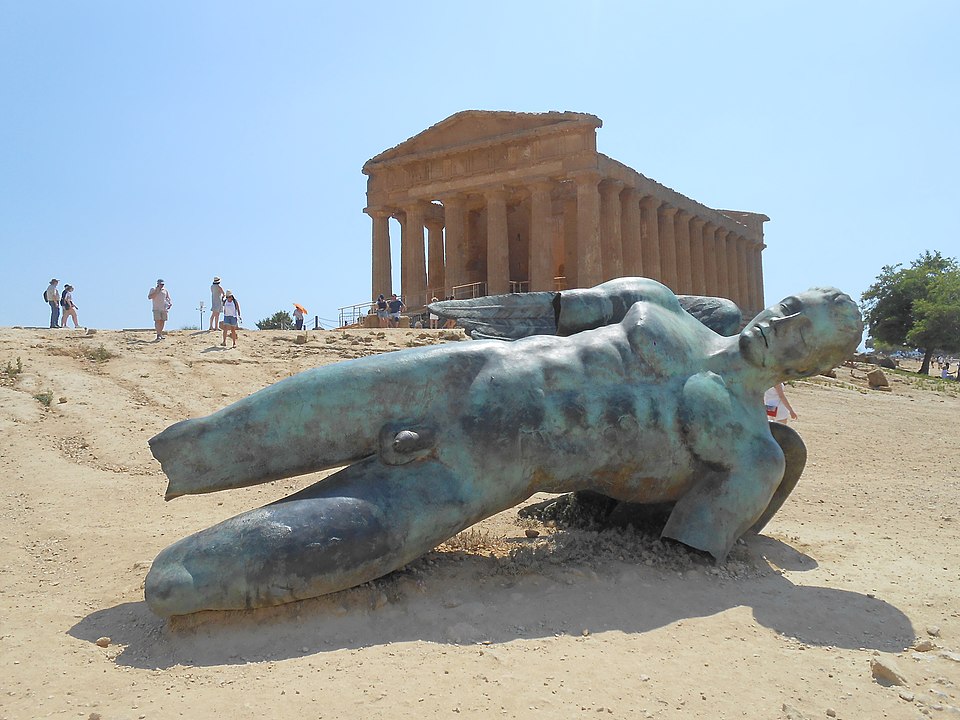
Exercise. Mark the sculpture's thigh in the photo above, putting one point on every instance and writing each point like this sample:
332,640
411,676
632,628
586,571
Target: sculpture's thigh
358,524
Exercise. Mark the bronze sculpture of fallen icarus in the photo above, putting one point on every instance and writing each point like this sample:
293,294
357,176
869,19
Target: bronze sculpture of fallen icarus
632,397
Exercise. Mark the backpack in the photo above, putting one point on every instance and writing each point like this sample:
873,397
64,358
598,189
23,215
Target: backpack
45,296
63,301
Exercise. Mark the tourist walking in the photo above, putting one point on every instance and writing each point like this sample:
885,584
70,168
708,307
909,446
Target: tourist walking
52,296
298,312
231,317
216,304
69,307
162,302
778,407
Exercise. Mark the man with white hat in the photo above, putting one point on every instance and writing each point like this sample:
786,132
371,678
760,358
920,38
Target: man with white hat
52,296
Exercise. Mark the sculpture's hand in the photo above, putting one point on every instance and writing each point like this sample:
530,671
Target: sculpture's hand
503,317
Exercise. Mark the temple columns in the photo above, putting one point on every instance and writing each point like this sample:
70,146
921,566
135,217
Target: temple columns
498,248
611,241
382,275
650,238
541,237
668,246
589,257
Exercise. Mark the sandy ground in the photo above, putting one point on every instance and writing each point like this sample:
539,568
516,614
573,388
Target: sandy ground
861,565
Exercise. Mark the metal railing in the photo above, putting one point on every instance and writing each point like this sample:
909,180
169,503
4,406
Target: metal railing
353,314
470,290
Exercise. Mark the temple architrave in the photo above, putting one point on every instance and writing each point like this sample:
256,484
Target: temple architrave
518,202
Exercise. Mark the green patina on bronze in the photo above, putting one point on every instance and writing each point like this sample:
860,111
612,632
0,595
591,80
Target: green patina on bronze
634,399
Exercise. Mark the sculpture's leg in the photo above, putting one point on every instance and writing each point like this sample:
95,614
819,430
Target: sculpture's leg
354,526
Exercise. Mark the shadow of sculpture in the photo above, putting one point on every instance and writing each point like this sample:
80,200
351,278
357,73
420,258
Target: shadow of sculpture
458,599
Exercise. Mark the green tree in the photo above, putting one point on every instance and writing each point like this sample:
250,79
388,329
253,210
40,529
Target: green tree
916,306
278,321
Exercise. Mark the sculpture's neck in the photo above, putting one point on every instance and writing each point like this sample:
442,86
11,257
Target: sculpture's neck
727,361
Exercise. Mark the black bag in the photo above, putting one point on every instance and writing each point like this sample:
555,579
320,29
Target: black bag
63,301
45,296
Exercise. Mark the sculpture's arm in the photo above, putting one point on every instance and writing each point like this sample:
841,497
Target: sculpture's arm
741,466
609,302
726,502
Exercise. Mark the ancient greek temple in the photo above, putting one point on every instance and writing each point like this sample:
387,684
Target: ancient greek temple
518,202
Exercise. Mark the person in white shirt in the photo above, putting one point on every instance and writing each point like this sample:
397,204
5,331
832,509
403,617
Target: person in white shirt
231,317
161,306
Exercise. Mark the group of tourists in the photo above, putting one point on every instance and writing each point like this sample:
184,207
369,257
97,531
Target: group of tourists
221,301
388,311
60,303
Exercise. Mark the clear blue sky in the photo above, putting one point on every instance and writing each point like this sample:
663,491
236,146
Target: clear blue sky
187,139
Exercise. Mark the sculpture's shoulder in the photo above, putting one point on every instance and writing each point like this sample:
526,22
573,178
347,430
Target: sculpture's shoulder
663,336
631,290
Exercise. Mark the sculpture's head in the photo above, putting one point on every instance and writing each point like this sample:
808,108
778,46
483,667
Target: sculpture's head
803,334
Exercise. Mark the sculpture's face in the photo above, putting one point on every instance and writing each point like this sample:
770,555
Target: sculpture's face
803,334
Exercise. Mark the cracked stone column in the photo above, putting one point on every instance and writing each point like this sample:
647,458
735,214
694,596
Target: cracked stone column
413,267
733,268
710,259
498,247
541,236
681,229
699,283
611,239
750,280
589,268
758,272
453,219
723,277
668,246
570,254
382,275
630,231
435,268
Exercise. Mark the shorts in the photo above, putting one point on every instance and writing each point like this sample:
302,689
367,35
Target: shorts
229,320
382,314
777,412
160,315
394,316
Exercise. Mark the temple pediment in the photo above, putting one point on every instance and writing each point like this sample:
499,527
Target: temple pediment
477,126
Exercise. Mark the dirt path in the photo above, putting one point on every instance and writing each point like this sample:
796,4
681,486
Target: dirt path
860,566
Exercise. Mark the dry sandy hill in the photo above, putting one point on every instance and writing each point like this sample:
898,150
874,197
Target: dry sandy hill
860,567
